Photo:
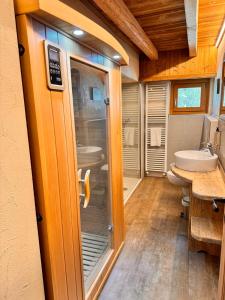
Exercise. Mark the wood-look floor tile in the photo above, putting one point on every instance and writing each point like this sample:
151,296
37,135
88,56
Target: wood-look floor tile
155,263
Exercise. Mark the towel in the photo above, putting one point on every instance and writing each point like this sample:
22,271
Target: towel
129,136
156,136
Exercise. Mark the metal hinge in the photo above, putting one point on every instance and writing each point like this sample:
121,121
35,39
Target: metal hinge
39,217
21,49
107,101
110,227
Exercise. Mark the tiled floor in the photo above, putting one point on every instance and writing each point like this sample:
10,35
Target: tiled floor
155,263
129,185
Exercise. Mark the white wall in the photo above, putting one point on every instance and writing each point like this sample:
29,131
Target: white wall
184,133
20,266
217,97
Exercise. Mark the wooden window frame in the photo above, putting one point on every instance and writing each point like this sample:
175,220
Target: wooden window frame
222,107
203,83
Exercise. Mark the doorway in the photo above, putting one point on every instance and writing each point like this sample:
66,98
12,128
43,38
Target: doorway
89,105
131,112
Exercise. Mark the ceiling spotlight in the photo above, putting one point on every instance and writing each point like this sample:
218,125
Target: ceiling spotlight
78,32
116,56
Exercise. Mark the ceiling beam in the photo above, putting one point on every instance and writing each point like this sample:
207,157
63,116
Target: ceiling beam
191,13
118,12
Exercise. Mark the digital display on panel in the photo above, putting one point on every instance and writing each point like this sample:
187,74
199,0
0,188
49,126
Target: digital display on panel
53,55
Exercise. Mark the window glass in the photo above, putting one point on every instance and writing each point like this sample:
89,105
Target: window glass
189,97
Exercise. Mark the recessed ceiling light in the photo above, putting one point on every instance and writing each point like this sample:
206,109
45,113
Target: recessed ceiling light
78,32
116,56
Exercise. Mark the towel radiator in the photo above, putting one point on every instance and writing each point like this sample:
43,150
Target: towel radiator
156,115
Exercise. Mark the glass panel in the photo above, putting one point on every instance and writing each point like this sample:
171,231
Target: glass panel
224,95
189,97
89,90
131,138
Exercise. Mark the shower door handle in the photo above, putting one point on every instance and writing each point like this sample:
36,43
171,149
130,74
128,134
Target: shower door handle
87,191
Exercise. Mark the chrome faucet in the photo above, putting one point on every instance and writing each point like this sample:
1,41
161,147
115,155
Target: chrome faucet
210,147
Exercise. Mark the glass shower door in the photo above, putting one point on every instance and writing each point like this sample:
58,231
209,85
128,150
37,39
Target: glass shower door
89,92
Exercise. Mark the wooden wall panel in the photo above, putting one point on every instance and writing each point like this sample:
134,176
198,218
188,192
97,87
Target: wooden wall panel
43,153
52,140
178,65
210,21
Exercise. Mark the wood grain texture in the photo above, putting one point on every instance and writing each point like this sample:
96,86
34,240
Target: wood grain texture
203,209
66,19
221,287
205,185
163,21
155,262
118,12
211,17
44,161
177,64
54,163
191,13
206,230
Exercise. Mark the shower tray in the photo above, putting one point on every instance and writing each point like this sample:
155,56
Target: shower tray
93,249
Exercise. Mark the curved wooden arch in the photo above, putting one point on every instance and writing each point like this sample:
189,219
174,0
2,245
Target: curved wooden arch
67,19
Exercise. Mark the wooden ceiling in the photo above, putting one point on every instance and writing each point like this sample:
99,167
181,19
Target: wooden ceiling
211,17
163,21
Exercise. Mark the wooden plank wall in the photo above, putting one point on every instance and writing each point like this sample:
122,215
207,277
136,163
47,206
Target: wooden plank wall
178,65
51,137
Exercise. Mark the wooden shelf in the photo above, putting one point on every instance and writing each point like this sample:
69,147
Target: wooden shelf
205,185
206,230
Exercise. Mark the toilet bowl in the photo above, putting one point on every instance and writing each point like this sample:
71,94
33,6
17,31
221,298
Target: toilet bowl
175,180
185,189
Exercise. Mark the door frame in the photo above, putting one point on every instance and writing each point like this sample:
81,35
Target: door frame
221,283
51,136
107,70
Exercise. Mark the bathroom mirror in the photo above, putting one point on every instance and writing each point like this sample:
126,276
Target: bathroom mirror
222,101
222,116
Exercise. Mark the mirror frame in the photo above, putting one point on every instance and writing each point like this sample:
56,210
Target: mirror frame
222,105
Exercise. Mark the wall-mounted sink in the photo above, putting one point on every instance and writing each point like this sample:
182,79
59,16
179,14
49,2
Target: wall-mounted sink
89,154
196,161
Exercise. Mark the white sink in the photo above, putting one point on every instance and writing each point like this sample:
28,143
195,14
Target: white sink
89,154
196,161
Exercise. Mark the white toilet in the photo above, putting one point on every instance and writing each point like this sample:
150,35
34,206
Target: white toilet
175,180
185,189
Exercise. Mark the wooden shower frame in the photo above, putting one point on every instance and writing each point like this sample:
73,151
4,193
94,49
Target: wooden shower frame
54,165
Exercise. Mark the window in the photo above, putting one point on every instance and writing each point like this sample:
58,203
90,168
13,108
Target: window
189,96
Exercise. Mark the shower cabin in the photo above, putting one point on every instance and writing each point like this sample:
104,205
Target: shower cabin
132,117
72,100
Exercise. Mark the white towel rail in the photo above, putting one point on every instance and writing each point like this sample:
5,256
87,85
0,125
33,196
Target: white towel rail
157,98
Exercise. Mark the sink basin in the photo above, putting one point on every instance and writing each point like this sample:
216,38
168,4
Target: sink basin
196,161
89,154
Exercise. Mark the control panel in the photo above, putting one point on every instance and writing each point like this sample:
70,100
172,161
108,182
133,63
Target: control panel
54,66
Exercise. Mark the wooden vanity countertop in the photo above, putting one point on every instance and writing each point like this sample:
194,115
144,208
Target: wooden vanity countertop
205,185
